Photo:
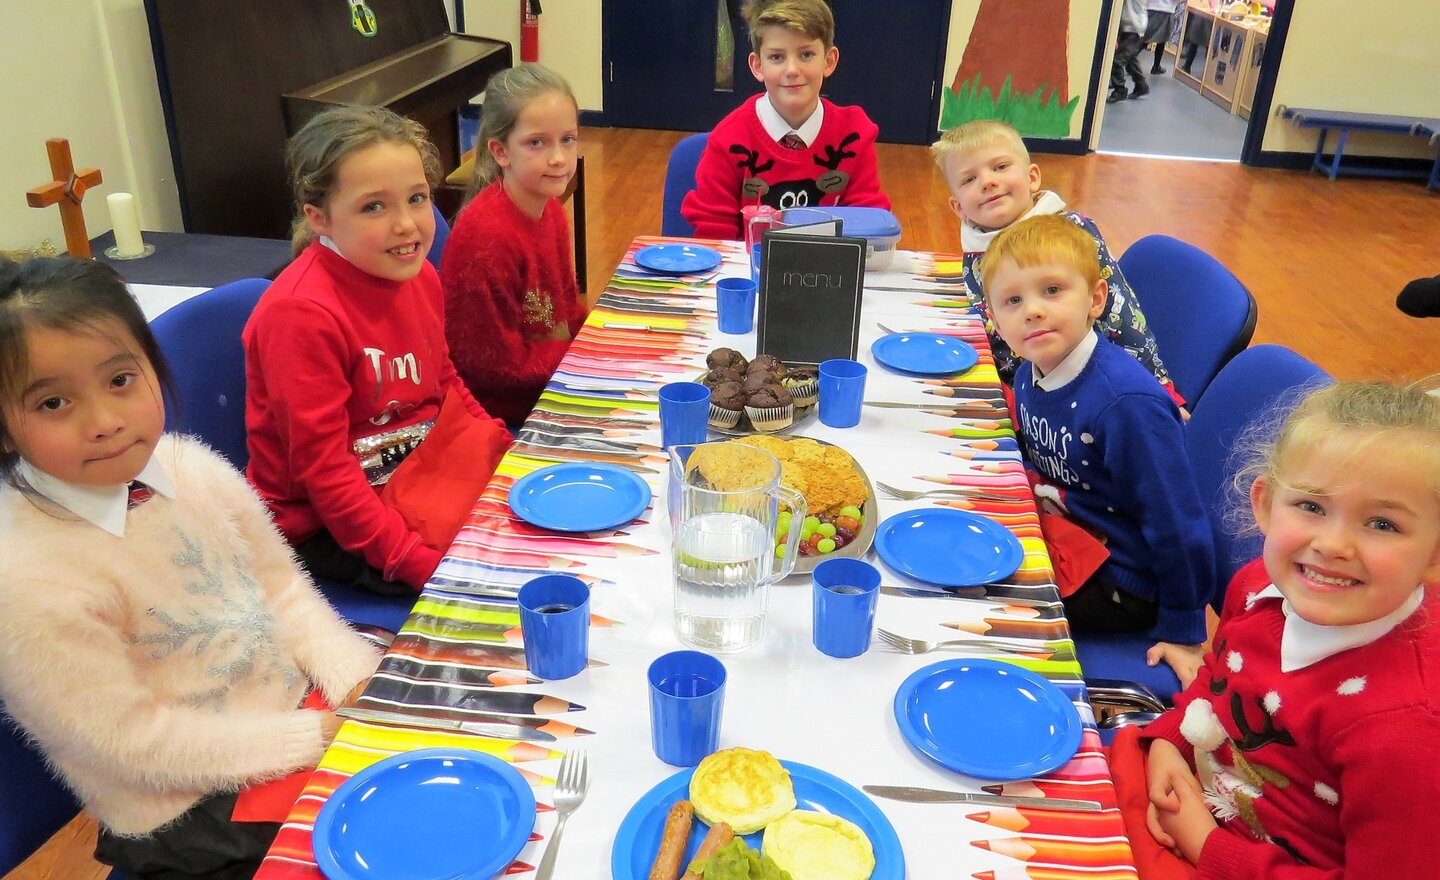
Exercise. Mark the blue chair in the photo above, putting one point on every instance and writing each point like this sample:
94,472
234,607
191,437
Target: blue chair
679,180
1246,389
1199,312
33,803
442,235
200,340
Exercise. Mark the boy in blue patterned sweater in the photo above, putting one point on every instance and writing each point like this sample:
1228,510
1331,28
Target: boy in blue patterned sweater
1105,442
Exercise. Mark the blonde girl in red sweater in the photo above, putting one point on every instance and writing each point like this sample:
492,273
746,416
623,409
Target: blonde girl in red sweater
512,304
1305,747
346,365
156,635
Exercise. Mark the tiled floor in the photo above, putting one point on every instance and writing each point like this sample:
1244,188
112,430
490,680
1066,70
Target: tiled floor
1173,120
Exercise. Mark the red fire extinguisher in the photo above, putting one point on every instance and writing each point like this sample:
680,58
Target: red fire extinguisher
529,30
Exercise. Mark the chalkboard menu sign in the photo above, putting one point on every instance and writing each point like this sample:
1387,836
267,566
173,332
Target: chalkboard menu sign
810,289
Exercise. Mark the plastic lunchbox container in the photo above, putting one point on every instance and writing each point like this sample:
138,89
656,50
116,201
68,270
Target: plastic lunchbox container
879,227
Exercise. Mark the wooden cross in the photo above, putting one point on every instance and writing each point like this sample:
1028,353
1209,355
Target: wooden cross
67,190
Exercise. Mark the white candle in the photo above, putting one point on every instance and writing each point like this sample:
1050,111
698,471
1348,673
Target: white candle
126,222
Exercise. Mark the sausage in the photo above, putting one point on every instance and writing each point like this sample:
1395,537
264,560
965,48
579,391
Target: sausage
720,834
672,842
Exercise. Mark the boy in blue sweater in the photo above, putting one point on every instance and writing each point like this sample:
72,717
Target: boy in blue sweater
1104,440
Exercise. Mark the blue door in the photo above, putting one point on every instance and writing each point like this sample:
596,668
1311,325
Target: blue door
683,64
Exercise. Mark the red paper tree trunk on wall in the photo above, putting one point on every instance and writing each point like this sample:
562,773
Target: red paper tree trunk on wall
1026,40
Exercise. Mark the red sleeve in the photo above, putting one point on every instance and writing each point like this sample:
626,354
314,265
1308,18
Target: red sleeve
1388,773
303,355
485,317
713,206
864,190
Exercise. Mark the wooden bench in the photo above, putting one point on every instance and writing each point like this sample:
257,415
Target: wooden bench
1345,122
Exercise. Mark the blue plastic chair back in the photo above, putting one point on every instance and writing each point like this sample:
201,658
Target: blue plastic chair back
1199,312
33,803
442,235
1249,394
679,180
200,339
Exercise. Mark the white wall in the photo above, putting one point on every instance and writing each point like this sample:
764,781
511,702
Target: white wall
1377,58
569,39
80,69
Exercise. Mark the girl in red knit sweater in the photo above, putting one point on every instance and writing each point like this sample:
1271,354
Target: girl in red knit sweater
1305,747
346,367
511,301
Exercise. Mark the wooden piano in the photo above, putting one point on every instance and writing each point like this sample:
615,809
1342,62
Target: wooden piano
236,79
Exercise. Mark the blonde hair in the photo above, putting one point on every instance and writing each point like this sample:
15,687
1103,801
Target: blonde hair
506,94
971,136
812,18
1367,414
314,155
1046,240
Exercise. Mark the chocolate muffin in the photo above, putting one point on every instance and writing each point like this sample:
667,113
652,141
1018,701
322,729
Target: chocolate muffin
767,363
727,401
770,408
725,357
803,383
755,381
721,375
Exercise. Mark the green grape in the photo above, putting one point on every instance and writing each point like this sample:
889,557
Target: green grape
827,529
825,546
780,551
851,511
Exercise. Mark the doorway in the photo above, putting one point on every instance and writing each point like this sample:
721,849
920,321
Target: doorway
669,67
1201,105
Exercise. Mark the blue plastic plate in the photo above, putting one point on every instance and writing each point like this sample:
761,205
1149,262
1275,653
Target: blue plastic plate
677,259
638,838
949,548
987,719
425,815
579,497
925,354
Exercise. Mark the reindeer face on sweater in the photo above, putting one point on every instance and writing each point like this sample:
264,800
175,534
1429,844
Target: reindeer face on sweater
802,193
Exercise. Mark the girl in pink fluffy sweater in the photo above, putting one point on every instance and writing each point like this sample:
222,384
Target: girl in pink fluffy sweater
156,636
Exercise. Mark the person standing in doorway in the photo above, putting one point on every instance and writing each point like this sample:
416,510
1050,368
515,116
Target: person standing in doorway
1127,53
1160,22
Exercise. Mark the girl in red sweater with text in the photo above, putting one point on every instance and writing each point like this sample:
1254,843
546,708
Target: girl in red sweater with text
511,301
346,365
1305,747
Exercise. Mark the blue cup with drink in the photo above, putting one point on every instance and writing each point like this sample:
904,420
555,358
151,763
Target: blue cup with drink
555,625
687,695
684,413
842,392
844,598
735,302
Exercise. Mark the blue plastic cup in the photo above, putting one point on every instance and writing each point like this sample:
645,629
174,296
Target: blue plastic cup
842,391
755,263
735,299
684,414
687,694
555,624
845,594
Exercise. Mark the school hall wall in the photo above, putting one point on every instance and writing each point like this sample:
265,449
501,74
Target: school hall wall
1375,58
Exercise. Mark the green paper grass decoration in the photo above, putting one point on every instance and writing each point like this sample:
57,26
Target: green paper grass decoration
1030,114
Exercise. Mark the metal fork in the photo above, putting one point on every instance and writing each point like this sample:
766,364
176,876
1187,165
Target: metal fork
920,646
954,491
571,784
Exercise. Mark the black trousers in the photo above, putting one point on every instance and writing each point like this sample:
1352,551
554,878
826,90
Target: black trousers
203,844
1127,60
324,558
1099,606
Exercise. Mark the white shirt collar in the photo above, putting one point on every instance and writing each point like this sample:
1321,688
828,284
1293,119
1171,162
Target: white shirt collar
330,243
1303,643
777,127
103,506
1066,371
973,239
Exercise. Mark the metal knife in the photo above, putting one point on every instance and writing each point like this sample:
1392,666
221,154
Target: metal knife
936,796
478,728
969,594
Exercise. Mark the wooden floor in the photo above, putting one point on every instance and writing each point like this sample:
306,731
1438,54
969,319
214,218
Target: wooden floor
1324,260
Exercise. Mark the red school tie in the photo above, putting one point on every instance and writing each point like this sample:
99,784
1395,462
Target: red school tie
793,141
139,494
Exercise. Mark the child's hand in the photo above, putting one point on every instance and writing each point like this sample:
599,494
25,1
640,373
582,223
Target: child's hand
1184,659
1189,826
1166,771
329,726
